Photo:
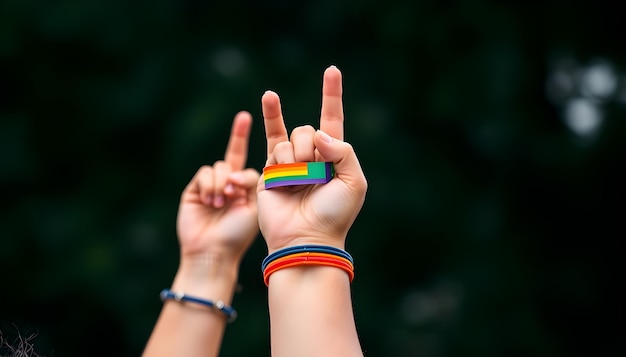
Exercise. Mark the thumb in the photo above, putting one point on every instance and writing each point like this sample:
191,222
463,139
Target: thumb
342,155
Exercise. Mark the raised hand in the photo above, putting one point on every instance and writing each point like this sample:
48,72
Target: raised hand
311,214
218,208
216,224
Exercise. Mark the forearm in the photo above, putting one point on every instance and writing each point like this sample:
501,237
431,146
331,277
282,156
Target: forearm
311,313
190,329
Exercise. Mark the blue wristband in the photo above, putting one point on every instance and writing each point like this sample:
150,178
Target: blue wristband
230,313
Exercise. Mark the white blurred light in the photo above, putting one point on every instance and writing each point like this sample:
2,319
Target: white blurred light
418,308
229,62
440,304
598,80
583,116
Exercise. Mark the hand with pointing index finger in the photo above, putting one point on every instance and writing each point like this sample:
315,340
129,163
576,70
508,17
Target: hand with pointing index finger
311,214
218,208
216,224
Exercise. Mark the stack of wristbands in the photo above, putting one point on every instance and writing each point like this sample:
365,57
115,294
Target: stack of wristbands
319,255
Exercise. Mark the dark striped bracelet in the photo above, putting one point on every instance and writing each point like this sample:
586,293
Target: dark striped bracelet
305,248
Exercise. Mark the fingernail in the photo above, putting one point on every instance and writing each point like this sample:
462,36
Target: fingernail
229,188
325,137
207,200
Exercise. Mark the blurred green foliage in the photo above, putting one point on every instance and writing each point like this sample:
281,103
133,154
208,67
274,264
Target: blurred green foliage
490,228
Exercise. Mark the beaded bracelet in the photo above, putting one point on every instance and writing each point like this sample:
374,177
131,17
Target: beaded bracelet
230,313
307,255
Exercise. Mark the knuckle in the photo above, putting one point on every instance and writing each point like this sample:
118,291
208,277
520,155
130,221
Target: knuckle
304,129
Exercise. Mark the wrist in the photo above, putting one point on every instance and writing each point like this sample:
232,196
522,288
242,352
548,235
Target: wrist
209,275
309,277
209,264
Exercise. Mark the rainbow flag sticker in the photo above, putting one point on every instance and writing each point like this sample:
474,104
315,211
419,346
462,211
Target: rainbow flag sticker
298,173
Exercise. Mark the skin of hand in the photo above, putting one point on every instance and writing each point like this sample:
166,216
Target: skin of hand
311,214
218,208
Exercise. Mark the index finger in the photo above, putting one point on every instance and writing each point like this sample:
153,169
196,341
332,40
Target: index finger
275,130
331,119
237,148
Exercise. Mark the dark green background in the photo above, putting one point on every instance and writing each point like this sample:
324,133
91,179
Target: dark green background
490,228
